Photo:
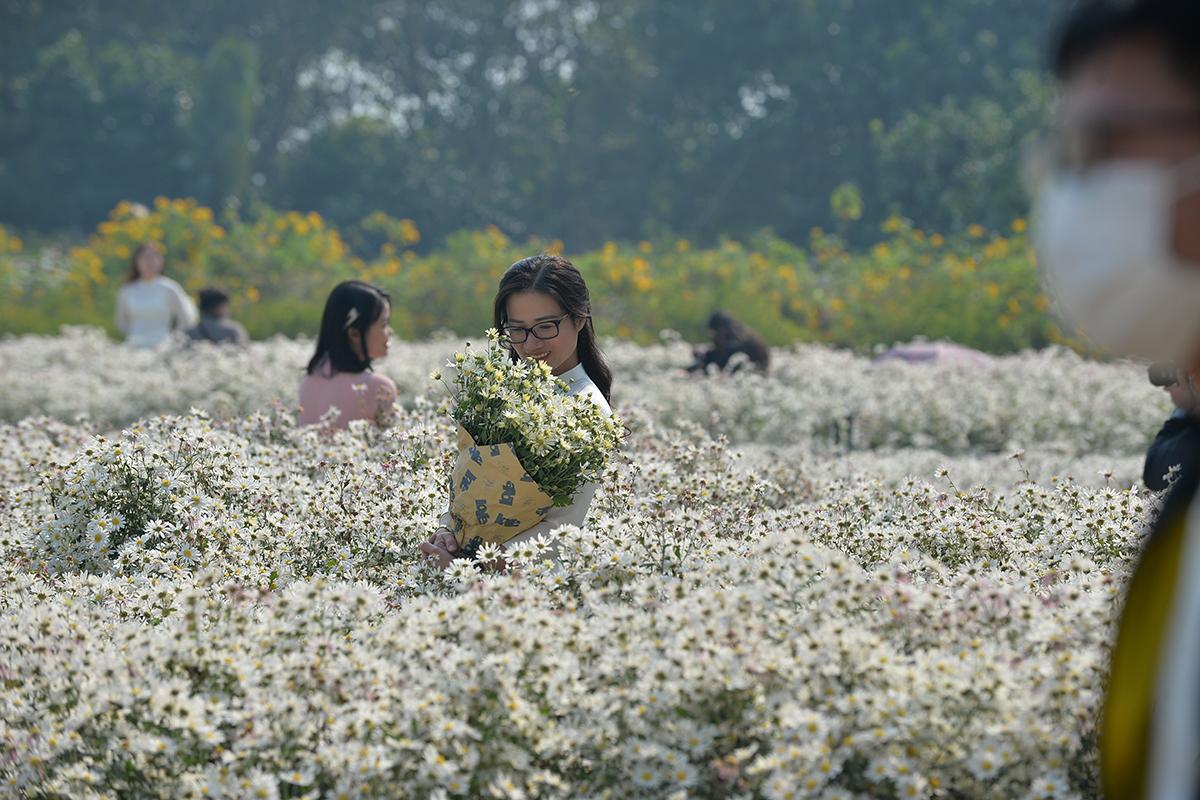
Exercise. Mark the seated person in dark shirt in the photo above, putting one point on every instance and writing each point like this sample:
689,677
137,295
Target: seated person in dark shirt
731,336
215,325
1171,446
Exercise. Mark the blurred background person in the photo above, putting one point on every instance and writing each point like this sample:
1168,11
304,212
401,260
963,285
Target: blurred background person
150,305
731,336
355,330
1169,448
1118,233
215,325
934,353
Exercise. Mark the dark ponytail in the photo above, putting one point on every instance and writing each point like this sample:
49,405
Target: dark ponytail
353,305
558,277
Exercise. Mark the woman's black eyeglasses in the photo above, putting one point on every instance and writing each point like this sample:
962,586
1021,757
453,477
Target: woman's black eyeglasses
543,330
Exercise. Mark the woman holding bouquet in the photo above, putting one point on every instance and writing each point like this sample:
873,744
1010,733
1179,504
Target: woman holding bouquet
543,311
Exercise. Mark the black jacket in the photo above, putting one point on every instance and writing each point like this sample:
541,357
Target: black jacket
218,330
1176,444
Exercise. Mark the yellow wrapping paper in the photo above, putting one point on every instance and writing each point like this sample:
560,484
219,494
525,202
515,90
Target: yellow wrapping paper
491,495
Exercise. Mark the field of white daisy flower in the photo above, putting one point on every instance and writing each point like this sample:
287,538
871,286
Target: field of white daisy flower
844,580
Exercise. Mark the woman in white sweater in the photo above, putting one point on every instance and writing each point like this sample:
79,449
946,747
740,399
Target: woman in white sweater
544,310
151,305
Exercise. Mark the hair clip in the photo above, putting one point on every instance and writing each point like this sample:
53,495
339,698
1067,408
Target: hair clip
351,316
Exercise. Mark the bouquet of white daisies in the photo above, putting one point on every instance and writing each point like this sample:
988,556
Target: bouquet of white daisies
525,444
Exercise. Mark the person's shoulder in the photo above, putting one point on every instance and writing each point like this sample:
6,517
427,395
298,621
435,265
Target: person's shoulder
596,396
582,385
323,372
381,383
368,380
170,283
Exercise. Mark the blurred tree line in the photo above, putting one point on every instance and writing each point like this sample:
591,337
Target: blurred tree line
576,119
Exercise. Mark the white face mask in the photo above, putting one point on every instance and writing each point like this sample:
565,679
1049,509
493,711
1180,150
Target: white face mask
1103,239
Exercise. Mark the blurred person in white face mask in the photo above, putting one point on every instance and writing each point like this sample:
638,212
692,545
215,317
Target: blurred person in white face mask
150,305
1118,237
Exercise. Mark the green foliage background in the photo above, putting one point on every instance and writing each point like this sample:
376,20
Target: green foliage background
571,119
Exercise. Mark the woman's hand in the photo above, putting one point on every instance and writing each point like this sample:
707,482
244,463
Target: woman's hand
439,556
445,539
440,547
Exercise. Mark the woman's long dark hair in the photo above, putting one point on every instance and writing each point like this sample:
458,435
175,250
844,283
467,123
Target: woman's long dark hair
351,305
558,277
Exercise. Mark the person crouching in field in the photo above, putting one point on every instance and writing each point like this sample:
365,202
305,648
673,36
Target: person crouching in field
1118,234
543,309
731,336
215,325
355,330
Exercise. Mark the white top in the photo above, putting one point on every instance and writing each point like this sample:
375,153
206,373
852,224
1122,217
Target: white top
147,311
579,383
